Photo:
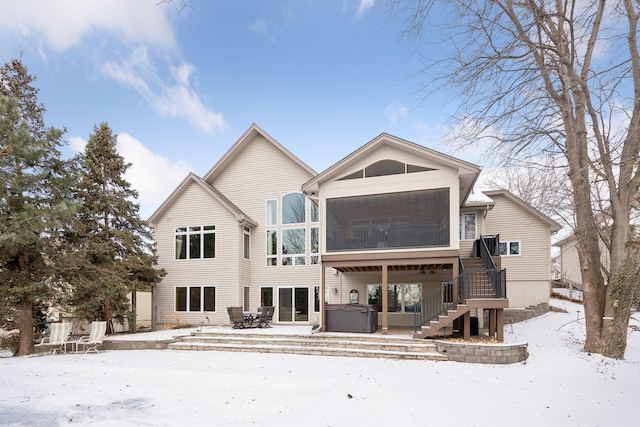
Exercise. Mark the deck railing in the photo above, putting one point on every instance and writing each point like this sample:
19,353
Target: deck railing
468,285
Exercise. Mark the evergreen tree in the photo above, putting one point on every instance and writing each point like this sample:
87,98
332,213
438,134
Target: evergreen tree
33,209
113,245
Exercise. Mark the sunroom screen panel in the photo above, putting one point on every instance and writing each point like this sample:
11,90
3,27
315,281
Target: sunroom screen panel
393,220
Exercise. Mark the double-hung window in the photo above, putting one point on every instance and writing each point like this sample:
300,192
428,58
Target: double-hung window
195,242
195,298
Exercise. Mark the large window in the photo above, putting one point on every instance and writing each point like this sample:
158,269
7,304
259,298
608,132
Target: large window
394,220
293,208
195,298
402,298
287,231
468,226
510,248
293,246
196,242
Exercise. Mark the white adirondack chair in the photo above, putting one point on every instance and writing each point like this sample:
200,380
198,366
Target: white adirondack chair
95,338
58,337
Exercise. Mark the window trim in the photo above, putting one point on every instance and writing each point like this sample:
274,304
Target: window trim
282,217
188,302
246,242
266,211
294,256
188,232
275,255
508,244
462,226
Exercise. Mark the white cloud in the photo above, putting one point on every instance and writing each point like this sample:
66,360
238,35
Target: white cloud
77,144
259,27
169,99
395,112
62,24
152,175
365,5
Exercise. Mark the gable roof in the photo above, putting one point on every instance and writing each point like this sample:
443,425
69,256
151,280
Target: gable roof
236,149
468,172
555,226
239,215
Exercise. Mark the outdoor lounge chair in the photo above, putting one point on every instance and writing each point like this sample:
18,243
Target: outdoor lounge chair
238,319
265,317
58,337
95,338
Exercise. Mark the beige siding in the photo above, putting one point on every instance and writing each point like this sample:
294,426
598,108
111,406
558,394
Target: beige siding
261,172
569,262
528,275
197,207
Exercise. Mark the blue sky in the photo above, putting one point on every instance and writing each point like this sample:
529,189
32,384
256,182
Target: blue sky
180,87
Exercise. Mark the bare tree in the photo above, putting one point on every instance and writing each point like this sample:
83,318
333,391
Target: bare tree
543,184
560,78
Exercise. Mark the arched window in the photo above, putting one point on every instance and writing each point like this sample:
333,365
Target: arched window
293,208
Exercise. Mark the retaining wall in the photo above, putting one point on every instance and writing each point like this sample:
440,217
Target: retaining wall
497,354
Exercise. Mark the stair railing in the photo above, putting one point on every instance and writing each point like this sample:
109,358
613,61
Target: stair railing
435,304
497,277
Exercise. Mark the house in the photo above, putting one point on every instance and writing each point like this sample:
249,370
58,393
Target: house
263,228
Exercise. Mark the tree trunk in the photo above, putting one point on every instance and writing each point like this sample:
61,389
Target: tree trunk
25,324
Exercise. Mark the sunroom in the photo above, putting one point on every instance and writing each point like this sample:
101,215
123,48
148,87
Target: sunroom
390,210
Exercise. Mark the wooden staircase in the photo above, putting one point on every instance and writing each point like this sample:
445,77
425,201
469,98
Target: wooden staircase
434,327
477,292
320,344
482,287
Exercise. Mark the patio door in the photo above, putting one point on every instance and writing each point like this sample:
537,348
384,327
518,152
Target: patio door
293,304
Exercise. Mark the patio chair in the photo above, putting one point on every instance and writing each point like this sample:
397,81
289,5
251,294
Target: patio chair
237,318
265,317
95,338
58,337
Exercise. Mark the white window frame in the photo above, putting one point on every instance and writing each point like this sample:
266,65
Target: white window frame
297,259
463,228
246,242
508,245
272,256
314,257
271,222
188,233
304,220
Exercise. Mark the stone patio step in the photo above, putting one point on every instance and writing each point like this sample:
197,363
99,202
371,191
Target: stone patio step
317,344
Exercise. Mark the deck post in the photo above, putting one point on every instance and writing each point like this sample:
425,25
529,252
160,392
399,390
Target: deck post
385,300
500,323
323,326
466,325
492,323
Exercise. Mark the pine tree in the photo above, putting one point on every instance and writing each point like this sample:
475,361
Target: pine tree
33,209
113,244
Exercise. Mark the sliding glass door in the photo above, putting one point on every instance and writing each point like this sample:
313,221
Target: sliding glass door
293,304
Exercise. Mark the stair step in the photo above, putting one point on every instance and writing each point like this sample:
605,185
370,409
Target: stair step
317,344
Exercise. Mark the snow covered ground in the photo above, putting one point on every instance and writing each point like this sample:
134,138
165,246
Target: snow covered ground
559,385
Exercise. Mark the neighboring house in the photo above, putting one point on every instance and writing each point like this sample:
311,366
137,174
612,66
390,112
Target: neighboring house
262,228
568,262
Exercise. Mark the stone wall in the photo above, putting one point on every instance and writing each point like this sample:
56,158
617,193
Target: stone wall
515,315
497,354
